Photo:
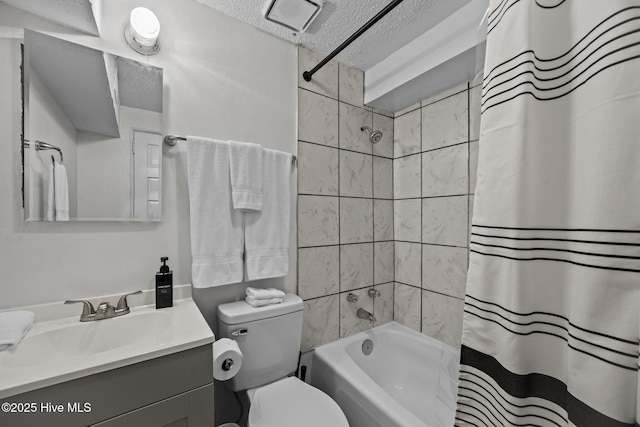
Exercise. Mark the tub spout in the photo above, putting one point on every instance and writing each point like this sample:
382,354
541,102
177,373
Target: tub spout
364,314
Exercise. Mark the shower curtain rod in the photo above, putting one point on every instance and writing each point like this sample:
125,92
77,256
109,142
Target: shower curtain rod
41,145
173,140
307,74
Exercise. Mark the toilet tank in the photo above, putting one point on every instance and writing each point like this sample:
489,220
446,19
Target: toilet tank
269,338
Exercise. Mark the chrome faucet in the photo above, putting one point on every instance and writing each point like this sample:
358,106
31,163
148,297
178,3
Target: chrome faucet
104,310
364,314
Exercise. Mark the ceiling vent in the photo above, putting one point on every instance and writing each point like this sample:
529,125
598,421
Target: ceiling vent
296,15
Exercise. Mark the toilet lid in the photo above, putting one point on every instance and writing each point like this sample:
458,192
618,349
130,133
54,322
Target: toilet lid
291,402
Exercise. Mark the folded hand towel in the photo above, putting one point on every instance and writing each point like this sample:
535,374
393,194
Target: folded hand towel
269,293
245,165
267,232
216,228
14,325
58,203
262,302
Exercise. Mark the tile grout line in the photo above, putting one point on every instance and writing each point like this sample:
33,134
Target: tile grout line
421,216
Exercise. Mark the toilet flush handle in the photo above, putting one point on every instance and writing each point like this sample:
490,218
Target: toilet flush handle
239,332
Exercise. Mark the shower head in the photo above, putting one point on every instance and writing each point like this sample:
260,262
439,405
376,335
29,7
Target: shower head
374,135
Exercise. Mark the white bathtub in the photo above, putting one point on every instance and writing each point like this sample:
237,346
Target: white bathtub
408,380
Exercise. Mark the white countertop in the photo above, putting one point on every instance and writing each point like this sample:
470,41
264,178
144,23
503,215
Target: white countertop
63,349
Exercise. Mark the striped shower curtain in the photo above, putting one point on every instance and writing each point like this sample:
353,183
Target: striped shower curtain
550,334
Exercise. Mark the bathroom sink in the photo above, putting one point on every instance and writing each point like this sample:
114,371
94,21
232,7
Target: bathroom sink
78,339
64,349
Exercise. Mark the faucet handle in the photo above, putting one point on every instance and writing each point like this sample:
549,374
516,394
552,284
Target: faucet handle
374,293
123,306
87,309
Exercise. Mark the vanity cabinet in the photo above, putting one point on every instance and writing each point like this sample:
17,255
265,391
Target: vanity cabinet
174,390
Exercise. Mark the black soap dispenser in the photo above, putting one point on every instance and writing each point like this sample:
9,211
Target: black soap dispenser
164,285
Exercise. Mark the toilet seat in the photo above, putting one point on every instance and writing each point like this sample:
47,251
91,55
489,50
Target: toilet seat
290,402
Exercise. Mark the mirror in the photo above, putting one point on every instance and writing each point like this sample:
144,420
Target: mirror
92,134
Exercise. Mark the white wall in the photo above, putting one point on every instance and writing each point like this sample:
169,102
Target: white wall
222,79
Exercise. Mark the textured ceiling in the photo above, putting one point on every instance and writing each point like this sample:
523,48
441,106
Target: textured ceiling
341,18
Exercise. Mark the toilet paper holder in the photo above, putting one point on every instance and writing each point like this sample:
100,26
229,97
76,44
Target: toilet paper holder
227,364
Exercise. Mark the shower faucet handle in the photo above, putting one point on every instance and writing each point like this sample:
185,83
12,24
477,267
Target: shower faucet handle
351,297
374,293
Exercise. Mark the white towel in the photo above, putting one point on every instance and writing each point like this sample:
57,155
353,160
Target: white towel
14,325
245,164
267,232
262,302
216,228
269,293
58,203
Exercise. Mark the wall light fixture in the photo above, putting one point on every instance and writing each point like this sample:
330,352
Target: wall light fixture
143,31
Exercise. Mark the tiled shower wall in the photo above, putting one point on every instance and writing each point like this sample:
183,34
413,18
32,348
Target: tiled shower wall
435,162
345,204
391,216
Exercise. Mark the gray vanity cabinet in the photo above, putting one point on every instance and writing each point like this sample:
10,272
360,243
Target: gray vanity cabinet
174,390
177,411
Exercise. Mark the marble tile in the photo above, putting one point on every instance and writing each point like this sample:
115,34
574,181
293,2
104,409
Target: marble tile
384,148
325,81
445,122
317,118
382,178
383,262
351,85
382,220
351,119
475,98
383,304
356,266
442,317
356,220
445,171
318,271
444,220
406,220
407,306
473,165
445,94
350,323
406,134
406,110
408,263
444,269
318,221
383,112
356,174
407,177
321,323
317,169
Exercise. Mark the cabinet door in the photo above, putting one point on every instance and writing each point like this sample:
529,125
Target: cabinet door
192,409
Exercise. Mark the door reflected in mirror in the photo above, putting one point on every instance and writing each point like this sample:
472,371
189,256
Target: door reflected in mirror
92,134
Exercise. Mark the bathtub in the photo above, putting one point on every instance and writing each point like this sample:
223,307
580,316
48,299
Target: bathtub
407,380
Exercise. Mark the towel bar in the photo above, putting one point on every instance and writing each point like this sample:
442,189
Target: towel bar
173,140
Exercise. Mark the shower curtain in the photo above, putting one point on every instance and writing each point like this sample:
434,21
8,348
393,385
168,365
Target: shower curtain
550,332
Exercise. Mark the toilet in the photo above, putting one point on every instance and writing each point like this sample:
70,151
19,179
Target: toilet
269,338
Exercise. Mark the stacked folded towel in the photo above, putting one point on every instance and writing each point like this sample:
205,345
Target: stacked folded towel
14,325
261,297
